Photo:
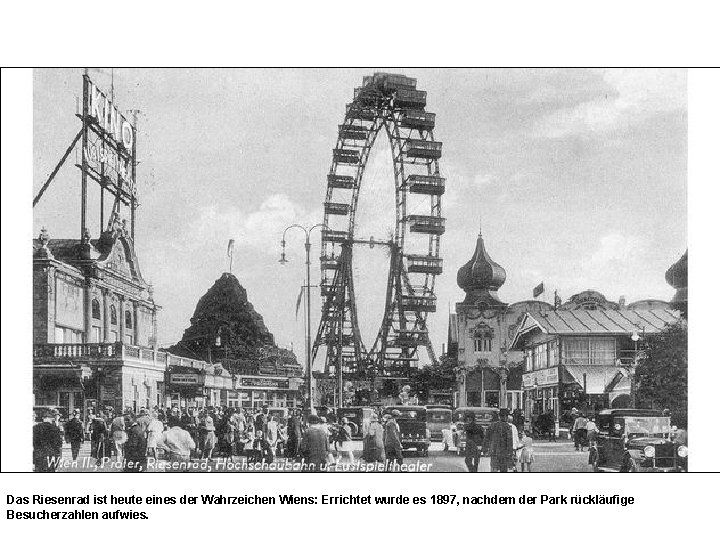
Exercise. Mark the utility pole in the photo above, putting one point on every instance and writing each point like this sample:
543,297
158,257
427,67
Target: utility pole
83,172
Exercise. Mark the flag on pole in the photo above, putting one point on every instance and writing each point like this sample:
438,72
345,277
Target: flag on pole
299,299
231,247
537,291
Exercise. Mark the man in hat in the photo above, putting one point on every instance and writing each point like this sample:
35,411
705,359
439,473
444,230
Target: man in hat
474,436
499,442
135,447
393,446
579,431
315,444
75,433
374,447
262,419
295,433
47,443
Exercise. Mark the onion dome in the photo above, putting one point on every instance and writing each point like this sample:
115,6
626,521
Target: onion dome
481,277
677,277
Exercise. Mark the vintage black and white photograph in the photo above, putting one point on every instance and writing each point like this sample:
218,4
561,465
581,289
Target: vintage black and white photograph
359,270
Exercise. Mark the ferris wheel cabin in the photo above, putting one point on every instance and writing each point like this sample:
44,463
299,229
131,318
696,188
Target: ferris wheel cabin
424,264
426,224
353,132
337,209
416,119
419,303
426,184
336,237
343,155
417,148
341,181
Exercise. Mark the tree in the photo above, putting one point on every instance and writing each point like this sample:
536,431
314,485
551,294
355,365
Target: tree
439,377
661,377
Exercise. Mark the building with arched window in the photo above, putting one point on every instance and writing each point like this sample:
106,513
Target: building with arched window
538,356
95,345
480,332
89,301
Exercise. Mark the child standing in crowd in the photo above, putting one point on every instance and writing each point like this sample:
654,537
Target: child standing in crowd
343,441
527,455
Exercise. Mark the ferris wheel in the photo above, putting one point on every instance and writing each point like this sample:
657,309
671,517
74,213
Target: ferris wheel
390,103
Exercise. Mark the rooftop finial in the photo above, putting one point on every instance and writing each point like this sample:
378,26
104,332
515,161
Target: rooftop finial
481,277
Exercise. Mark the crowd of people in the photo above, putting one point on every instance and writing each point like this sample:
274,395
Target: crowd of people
504,440
181,435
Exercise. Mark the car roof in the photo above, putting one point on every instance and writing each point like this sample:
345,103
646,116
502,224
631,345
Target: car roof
632,412
406,407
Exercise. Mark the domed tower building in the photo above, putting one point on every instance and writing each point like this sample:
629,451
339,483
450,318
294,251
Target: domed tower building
488,373
541,357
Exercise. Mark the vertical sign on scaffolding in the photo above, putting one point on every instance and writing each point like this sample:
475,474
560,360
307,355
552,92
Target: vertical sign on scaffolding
109,145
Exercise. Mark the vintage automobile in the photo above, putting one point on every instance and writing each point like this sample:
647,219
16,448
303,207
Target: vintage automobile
439,419
483,416
359,418
414,431
635,440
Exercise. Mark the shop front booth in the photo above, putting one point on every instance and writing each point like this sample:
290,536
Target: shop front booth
184,387
63,386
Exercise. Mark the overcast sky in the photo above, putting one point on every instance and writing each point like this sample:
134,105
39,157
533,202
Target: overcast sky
578,176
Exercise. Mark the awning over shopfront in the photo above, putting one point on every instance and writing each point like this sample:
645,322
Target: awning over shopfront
591,379
52,377
65,371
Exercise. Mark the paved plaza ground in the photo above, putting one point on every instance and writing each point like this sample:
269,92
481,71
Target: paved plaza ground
557,456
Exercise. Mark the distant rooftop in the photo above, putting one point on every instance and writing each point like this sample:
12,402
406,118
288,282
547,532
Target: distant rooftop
598,322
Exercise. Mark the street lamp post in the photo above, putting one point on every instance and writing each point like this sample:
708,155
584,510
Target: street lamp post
632,367
308,338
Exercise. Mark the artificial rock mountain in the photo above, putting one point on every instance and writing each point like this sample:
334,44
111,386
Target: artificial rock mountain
225,325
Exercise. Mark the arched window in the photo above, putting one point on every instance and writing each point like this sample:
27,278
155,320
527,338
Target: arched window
128,319
483,336
95,308
113,315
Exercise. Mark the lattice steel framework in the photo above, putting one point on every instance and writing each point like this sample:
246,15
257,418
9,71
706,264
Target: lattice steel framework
392,103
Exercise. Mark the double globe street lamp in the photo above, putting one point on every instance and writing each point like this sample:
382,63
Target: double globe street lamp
308,337
631,367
